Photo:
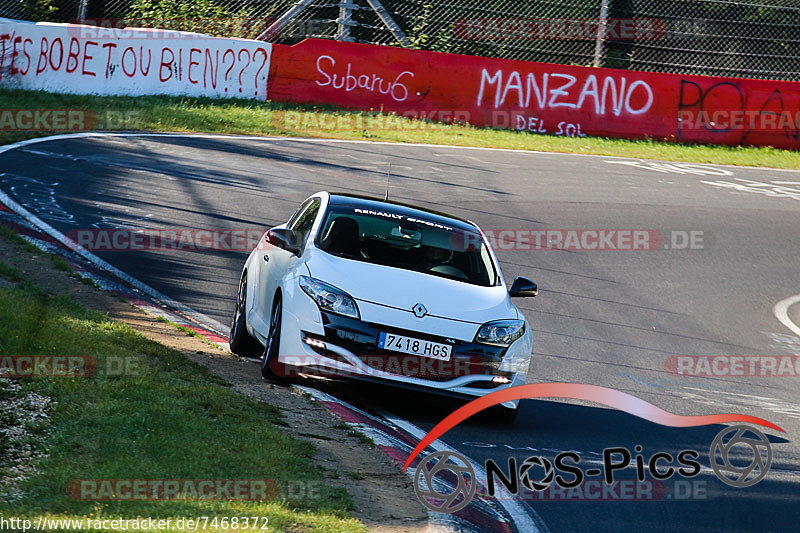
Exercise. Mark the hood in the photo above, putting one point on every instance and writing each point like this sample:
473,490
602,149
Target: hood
403,289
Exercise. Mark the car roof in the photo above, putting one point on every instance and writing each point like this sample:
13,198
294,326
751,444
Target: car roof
366,202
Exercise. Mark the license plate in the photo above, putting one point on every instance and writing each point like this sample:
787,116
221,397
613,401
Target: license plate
398,343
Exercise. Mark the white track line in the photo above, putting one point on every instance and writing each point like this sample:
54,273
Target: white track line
525,520
208,322
781,312
339,141
89,256
524,517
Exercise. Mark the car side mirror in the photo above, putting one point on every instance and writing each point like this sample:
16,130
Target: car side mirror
523,287
285,239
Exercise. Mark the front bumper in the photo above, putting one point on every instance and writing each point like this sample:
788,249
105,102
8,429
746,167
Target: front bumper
344,347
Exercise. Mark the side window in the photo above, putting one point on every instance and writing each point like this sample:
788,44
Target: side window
302,224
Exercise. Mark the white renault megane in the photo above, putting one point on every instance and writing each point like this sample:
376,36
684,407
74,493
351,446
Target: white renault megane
377,290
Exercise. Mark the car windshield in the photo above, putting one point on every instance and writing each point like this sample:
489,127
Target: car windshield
393,239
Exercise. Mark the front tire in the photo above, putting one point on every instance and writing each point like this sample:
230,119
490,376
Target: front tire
241,342
269,361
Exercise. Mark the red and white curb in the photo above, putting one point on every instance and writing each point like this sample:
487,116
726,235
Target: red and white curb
106,276
397,438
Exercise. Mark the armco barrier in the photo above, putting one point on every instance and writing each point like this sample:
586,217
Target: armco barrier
538,97
69,58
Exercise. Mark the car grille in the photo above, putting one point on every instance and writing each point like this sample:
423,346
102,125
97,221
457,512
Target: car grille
361,338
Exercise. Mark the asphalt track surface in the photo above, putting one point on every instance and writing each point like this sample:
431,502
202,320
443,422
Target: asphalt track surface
609,318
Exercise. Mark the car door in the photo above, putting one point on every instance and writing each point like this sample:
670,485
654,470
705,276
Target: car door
276,263
259,268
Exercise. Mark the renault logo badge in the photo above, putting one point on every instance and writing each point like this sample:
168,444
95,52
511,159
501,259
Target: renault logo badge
419,310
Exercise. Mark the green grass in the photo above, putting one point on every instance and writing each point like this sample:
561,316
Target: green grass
183,329
190,333
10,235
11,273
180,114
167,418
363,438
60,263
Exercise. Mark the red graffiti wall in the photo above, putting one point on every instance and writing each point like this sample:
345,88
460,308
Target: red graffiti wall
537,97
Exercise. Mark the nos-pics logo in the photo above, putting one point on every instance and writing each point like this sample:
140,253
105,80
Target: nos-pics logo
740,437
445,481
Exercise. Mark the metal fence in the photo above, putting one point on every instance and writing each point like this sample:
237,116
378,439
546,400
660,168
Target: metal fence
750,38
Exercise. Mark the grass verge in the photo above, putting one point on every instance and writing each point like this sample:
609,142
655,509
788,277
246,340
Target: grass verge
160,417
180,114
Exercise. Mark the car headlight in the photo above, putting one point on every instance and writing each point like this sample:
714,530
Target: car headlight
329,298
500,332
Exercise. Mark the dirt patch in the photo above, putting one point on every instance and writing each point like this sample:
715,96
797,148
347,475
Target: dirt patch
383,496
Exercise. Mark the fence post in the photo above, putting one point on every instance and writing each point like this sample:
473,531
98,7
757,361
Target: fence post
389,22
82,10
286,18
601,34
345,20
